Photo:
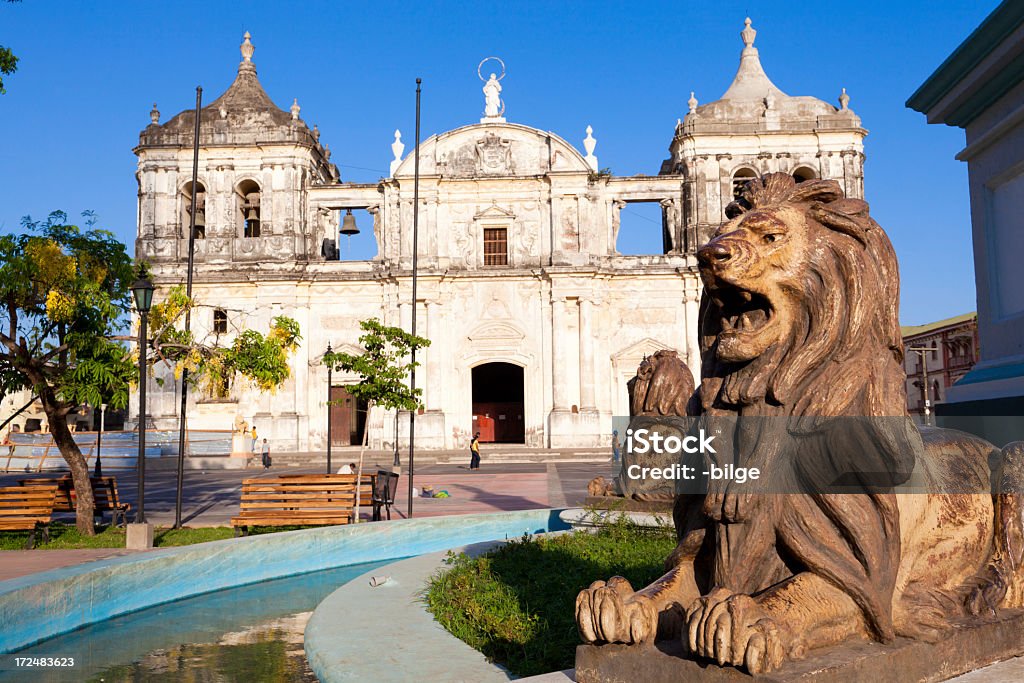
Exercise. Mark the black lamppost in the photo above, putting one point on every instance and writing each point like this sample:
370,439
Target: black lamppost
922,351
329,368
398,460
98,471
142,290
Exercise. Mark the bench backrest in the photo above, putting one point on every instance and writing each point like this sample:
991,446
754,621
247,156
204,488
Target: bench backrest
63,486
104,491
27,503
365,488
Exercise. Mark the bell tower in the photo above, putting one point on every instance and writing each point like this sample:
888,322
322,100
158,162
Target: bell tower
756,128
256,163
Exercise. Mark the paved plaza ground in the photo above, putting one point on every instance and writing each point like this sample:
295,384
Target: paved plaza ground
211,498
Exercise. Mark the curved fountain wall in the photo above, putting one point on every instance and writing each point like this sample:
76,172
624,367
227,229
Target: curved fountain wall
40,606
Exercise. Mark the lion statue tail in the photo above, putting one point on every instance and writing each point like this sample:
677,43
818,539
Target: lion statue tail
1001,584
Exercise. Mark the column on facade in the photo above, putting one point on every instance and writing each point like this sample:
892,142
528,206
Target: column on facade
432,362
587,394
558,353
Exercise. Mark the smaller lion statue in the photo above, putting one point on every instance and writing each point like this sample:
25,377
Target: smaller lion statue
662,386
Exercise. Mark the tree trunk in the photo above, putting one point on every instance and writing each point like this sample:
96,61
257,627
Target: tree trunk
86,505
362,450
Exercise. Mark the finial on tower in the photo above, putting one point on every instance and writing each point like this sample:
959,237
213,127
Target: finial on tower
748,33
295,109
154,115
397,148
589,143
692,103
247,48
844,101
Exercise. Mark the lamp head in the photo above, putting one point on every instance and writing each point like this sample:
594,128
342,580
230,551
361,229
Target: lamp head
142,290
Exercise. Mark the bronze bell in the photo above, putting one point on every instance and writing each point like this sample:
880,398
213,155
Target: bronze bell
200,217
348,225
252,214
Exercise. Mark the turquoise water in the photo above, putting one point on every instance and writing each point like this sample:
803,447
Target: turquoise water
249,634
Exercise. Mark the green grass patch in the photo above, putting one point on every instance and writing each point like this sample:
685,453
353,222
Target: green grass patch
66,536
516,604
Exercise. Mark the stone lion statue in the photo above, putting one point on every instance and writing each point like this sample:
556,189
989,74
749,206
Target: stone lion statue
799,321
662,386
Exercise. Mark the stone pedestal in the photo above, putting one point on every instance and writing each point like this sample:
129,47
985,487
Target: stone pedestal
576,430
139,536
966,646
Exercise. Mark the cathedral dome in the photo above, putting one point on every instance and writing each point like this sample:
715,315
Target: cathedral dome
753,98
243,113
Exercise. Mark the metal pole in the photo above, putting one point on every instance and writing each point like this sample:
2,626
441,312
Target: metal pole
140,515
98,470
922,351
398,460
329,411
188,311
415,253
927,395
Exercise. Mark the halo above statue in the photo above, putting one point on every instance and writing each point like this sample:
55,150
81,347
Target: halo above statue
483,61
494,106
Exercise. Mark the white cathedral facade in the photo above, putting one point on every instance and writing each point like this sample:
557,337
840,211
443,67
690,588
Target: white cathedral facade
536,321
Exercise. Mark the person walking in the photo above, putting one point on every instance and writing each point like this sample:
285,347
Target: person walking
616,454
474,452
266,455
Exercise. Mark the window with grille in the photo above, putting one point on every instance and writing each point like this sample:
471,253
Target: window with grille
495,247
220,321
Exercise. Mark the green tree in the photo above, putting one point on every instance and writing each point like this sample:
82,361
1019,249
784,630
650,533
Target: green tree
64,290
262,360
8,62
382,369
66,293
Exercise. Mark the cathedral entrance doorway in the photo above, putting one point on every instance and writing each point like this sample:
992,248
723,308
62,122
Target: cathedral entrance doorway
498,403
348,418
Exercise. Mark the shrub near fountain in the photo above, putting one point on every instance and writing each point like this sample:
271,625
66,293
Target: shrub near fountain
515,603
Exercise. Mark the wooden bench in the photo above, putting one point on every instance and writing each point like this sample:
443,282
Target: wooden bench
301,500
104,493
27,509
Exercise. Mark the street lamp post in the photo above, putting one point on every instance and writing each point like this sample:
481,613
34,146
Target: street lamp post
398,459
329,368
142,290
98,471
415,254
922,351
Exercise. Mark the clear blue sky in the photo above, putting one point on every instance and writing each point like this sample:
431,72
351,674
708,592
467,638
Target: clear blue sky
90,72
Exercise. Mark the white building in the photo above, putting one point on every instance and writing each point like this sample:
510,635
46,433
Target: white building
536,321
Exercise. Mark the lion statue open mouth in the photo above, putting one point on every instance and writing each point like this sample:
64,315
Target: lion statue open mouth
799,322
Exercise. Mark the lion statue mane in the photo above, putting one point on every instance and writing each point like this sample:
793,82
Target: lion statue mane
799,321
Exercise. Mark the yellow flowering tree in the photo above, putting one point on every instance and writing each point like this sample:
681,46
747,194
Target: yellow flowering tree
64,293
260,359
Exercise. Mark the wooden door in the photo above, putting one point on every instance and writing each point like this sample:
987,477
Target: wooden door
341,416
